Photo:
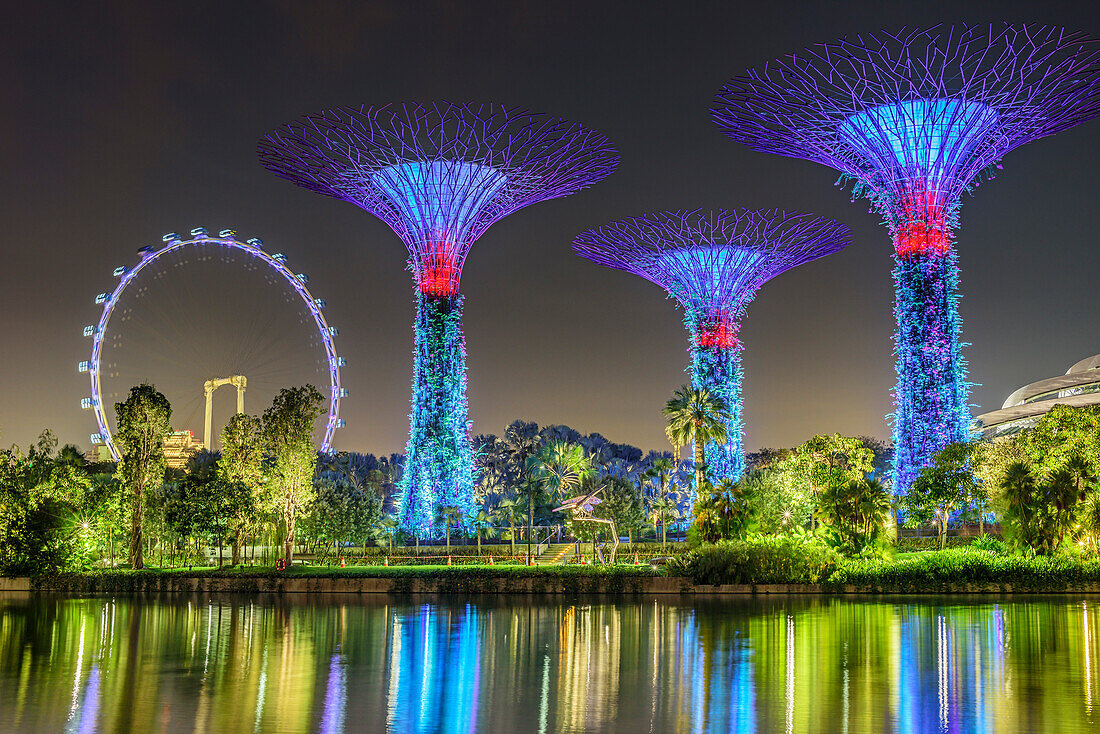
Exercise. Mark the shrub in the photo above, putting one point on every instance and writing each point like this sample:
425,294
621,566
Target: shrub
798,558
947,569
912,545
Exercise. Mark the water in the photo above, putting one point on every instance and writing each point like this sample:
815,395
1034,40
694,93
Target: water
230,664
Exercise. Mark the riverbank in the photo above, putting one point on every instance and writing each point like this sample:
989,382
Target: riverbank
921,575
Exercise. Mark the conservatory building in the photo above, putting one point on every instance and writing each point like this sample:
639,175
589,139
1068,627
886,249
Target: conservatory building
1080,386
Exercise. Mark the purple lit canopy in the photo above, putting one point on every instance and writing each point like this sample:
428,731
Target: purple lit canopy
438,174
938,105
712,262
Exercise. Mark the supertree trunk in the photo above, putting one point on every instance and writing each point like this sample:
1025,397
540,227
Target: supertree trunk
439,463
716,367
930,399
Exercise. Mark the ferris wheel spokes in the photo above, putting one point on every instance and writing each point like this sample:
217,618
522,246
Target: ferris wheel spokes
226,238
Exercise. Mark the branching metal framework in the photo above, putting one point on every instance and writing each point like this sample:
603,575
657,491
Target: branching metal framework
913,120
713,263
439,175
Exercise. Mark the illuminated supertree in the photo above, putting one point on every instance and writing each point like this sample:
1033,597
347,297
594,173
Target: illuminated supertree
913,120
439,175
713,263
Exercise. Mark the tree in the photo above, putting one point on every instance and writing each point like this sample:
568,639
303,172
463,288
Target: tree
241,462
661,510
506,510
1060,436
781,498
341,511
1039,514
696,415
725,511
483,525
830,463
662,507
37,499
449,515
942,488
144,421
554,469
619,503
855,513
292,457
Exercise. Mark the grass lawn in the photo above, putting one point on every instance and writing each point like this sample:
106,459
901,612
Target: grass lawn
482,570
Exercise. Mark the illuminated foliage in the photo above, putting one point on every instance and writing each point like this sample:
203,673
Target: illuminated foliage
288,440
942,488
144,421
439,175
714,263
913,120
439,464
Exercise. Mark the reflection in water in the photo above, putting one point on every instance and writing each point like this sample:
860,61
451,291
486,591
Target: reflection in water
351,664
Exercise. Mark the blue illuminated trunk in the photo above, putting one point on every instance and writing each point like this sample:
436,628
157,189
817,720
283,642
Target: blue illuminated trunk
439,462
931,406
718,369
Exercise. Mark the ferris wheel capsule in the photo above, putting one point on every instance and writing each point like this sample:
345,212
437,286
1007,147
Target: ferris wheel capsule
279,257
145,251
120,271
319,302
170,238
302,277
101,299
256,242
199,232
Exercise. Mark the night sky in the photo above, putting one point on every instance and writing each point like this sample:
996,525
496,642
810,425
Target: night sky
121,122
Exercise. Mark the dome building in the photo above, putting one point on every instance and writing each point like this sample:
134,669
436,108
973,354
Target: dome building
1080,386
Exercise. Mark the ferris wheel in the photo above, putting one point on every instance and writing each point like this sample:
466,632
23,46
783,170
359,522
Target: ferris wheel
142,278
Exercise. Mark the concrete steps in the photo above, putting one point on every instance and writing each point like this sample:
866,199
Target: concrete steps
553,554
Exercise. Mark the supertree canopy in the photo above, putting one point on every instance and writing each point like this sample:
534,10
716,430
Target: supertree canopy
713,263
439,175
913,120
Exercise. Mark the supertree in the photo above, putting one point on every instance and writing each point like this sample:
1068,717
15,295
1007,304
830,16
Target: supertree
439,175
713,263
913,119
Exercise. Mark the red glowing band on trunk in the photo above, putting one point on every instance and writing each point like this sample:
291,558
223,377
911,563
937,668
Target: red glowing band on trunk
439,272
924,227
722,332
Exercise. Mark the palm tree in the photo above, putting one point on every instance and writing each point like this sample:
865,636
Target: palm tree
506,510
387,527
661,509
449,514
555,468
661,469
1019,488
483,523
696,415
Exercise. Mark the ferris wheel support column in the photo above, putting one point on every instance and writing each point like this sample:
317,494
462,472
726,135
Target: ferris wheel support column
238,381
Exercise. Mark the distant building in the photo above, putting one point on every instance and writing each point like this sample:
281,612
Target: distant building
1080,386
98,454
179,447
